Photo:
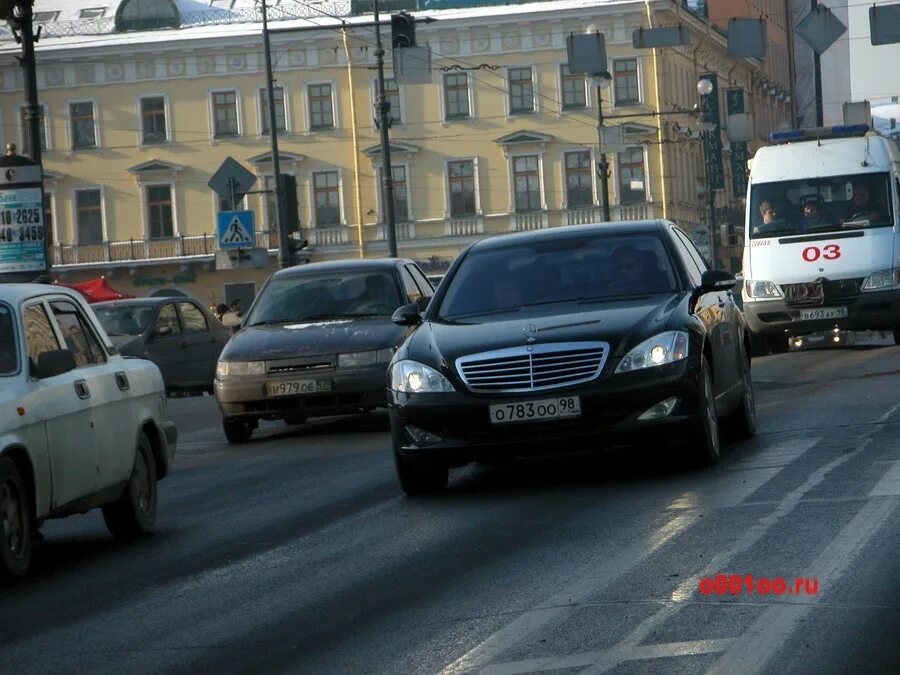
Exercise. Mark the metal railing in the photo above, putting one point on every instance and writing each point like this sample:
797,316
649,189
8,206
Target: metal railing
464,226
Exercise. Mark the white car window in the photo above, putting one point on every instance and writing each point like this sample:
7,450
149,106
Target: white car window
80,339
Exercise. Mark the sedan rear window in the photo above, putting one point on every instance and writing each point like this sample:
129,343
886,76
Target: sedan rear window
558,270
125,319
337,295
9,362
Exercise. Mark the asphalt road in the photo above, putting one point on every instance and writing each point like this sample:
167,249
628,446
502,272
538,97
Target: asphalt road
298,553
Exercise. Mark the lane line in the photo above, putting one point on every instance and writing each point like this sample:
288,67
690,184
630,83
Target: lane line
889,485
770,632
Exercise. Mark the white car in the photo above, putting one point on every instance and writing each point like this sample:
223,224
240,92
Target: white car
81,427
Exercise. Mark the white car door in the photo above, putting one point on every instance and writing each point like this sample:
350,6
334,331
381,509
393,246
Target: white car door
61,404
107,390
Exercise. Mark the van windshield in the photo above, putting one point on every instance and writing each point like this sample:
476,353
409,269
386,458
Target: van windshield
814,205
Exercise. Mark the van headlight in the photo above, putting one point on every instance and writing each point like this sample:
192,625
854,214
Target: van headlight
882,279
360,359
413,377
761,290
225,369
659,350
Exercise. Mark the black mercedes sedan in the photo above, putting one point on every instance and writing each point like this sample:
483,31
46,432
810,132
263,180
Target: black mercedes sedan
569,339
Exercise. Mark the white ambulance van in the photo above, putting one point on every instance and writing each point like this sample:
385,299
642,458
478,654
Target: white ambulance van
822,235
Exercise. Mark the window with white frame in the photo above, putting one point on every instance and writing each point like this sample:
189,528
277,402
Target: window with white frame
401,196
153,120
579,183
92,13
321,106
225,114
574,89
280,118
160,219
521,90
456,96
632,182
327,198
392,94
26,133
89,216
625,81
461,178
527,183
45,17
84,130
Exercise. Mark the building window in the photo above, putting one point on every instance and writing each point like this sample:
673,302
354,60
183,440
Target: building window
632,186
521,90
327,198
26,133
392,93
625,76
92,13
574,94
401,201
83,130
527,180
321,107
456,95
153,120
88,216
48,218
462,188
45,17
225,204
280,119
225,114
579,187
159,211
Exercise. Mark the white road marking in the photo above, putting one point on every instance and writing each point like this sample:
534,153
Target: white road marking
771,630
655,651
588,584
889,485
884,418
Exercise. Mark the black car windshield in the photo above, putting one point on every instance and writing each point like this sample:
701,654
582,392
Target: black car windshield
558,270
342,294
823,205
125,319
8,361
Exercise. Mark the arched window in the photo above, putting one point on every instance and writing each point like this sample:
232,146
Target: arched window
134,15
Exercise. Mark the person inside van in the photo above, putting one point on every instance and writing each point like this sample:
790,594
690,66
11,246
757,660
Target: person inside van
863,205
770,215
813,213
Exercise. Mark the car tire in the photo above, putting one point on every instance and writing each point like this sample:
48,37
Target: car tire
778,344
704,441
16,523
134,513
295,420
418,478
237,431
742,423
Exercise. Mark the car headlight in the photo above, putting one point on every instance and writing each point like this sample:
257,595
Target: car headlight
659,350
416,378
761,290
238,368
359,359
882,279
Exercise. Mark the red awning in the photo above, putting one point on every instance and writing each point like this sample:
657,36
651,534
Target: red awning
96,290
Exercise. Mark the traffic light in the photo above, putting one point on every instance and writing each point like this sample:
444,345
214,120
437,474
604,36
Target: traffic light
403,30
288,189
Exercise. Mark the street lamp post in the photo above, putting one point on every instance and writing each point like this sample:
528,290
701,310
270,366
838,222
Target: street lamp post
603,80
708,126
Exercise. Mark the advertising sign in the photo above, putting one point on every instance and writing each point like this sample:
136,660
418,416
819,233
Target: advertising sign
22,247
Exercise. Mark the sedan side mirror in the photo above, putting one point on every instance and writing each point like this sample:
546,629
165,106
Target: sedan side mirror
717,280
407,315
54,363
162,331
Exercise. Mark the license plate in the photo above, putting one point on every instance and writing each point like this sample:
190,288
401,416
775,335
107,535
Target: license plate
823,313
544,409
297,387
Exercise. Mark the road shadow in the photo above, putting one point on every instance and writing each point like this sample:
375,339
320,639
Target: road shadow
373,422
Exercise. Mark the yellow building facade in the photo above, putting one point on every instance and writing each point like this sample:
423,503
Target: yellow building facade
503,139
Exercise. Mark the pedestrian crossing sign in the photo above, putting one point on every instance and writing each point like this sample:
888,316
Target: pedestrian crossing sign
236,229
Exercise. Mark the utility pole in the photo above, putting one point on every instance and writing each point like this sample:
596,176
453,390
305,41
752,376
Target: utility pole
817,62
284,251
384,109
603,81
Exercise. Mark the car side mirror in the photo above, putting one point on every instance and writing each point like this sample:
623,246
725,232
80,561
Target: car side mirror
162,331
717,280
54,363
407,315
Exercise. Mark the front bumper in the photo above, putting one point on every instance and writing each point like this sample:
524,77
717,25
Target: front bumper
876,310
351,391
610,408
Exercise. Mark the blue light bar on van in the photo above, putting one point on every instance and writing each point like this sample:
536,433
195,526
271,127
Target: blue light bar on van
837,131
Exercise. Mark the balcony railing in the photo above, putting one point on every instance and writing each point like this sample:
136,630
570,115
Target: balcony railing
640,211
464,226
531,220
329,236
583,215
404,230
148,249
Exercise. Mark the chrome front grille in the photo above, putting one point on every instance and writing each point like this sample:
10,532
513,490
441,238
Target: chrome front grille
534,367
278,368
